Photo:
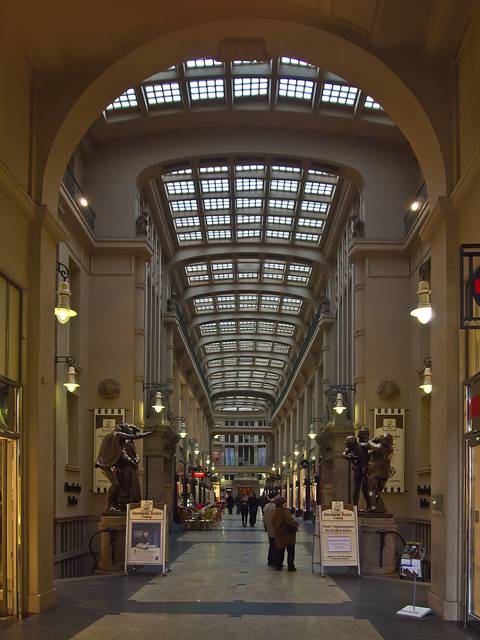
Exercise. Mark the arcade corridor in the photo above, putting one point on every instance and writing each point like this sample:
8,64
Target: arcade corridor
220,586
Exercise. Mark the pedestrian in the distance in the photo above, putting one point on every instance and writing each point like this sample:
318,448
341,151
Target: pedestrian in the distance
285,529
238,502
244,511
268,511
252,508
230,502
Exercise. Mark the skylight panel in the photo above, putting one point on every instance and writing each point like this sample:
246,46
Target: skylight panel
342,94
307,237
192,221
302,268
284,185
317,172
281,204
203,63
314,207
262,345
203,304
210,89
127,100
229,362
295,62
215,169
280,348
162,93
178,172
248,184
249,203
222,276
225,306
247,326
280,220
246,345
180,187
219,234
295,88
282,168
247,306
279,266
227,326
214,185
181,206
273,276
278,364
265,327
297,279
215,363
189,236
291,304
262,362
248,297
310,222
208,328
275,233
249,167
218,266
258,374
229,345
216,220
319,188
285,329
246,219
194,268
211,204
246,361
213,347
370,103
248,233
203,277
250,87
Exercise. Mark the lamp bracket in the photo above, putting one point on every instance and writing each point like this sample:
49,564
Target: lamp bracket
69,361
63,270
425,270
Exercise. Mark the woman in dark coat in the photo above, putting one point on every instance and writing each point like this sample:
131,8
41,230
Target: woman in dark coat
230,502
285,529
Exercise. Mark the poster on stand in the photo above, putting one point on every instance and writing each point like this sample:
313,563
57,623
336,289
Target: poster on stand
145,539
336,537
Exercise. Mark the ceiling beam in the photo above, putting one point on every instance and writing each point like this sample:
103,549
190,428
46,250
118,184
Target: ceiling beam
267,288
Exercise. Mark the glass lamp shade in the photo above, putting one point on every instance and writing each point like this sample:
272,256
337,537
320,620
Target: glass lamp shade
158,405
423,311
426,385
311,434
339,406
273,467
63,311
284,462
183,431
71,384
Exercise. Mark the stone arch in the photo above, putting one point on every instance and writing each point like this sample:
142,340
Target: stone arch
318,46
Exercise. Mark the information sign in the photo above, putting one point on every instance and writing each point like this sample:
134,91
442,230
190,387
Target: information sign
336,537
145,539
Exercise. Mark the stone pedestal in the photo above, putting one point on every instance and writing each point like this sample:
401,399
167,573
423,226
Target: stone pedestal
370,540
112,559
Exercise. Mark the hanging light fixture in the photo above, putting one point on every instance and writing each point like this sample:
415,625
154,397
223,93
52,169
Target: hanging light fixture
212,467
312,434
207,461
416,205
423,310
339,406
71,383
63,311
83,202
426,385
158,405
284,461
274,467
183,430
296,451
196,449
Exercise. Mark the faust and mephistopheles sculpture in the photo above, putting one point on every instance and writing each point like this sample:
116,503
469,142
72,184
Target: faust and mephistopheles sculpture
370,459
119,461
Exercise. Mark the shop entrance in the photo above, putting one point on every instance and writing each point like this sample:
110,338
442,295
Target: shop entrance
8,499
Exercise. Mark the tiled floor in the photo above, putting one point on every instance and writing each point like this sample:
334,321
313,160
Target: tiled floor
220,587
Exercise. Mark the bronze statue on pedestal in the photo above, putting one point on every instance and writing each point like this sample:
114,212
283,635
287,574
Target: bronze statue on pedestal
119,462
356,452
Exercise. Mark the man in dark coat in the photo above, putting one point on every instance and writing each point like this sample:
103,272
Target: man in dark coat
119,462
252,508
285,529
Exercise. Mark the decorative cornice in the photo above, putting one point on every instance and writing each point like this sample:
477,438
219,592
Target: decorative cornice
16,195
361,249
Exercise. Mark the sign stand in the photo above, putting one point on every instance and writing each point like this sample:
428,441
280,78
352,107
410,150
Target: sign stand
335,538
412,610
411,566
146,536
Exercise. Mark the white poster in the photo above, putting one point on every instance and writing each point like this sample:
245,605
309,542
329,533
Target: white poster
393,421
336,537
146,535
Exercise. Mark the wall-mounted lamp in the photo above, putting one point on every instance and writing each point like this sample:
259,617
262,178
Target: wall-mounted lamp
423,310
212,467
83,202
416,205
274,468
71,384
298,445
426,385
158,405
183,430
207,461
284,461
339,407
312,434
162,392
63,311
195,446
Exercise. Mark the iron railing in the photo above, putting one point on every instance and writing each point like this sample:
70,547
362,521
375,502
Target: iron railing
74,190
298,360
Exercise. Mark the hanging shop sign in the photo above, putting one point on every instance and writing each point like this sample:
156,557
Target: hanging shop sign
336,537
104,422
393,421
145,539
470,286
198,474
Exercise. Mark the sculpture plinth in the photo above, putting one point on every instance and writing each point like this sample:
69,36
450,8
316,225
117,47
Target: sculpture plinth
112,543
377,541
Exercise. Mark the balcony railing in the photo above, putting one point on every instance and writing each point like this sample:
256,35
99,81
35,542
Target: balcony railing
74,190
411,217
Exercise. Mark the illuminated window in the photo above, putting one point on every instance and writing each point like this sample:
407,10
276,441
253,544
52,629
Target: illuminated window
208,328
180,206
273,276
200,278
189,236
302,268
248,87
319,188
281,204
297,279
285,329
370,103
248,275
295,88
339,94
194,268
266,327
280,348
180,187
295,62
211,204
213,347
127,100
193,221
216,169
310,222
203,304
307,237
249,167
248,184
222,276
279,266
227,326
314,207
245,219
215,220
219,234
281,168
279,220
162,93
248,203
275,233
211,89
218,266
214,185
284,185
203,63
248,233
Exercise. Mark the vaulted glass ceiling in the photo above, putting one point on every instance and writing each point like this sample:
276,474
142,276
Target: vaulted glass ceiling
281,84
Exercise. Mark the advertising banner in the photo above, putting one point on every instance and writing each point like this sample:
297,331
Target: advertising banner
336,537
393,421
145,538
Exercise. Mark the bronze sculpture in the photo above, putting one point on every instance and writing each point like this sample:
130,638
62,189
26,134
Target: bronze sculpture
357,453
119,462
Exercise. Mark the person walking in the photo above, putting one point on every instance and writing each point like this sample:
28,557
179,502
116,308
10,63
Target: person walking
230,502
244,511
252,508
268,511
285,530
238,502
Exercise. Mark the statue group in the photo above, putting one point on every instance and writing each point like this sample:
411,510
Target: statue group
370,459
119,461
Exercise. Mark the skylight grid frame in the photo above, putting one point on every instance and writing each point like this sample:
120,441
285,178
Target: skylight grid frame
162,93
215,185
281,184
202,63
250,87
339,94
296,89
207,90
127,101
249,184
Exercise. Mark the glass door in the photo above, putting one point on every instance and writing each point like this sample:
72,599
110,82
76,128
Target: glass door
8,499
